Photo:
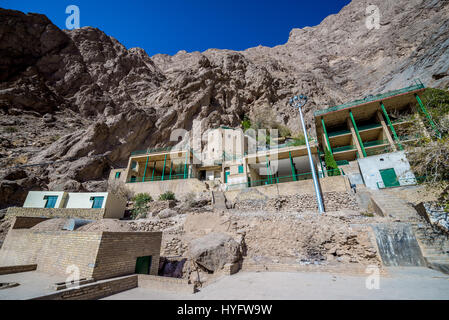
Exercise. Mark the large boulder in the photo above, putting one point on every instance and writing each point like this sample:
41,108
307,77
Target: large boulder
214,250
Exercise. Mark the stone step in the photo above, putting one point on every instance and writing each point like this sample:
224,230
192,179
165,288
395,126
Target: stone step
430,251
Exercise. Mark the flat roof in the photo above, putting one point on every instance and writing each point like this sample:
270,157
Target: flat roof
370,98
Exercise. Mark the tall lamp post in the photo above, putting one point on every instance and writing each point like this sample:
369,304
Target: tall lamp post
298,102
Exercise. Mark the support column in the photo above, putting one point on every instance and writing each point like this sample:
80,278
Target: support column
163,169
391,126
424,110
268,169
355,139
326,137
145,171
295,178
185,166
386,131
154,167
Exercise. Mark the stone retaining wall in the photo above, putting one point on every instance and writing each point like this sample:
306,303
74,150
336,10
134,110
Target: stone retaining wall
89,214
333,201
165,283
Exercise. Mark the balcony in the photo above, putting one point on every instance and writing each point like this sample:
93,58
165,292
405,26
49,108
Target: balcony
343,148
375,143
338,133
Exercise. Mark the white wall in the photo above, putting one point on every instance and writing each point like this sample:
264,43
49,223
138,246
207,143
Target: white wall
35,199
82,200
370,166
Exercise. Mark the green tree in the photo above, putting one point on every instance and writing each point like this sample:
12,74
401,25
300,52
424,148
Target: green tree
331,164
167,196
140,203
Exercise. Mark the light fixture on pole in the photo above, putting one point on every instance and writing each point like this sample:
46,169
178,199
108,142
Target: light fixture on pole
298,102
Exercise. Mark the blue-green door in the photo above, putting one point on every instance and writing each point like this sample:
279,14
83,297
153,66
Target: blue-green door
389,178
226,176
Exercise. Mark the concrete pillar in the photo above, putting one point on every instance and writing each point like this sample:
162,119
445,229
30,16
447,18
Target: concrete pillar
386,131
325,142
354,138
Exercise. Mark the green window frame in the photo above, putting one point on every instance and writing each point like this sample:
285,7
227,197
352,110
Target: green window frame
51,201
117,175
97,202
241,169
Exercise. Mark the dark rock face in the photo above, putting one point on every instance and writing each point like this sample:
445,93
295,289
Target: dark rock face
81,97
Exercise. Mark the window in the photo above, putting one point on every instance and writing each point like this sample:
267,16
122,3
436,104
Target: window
133,179
117,175
240,169
97,202
133,164
51,201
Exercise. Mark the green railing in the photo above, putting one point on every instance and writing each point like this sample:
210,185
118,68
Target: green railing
375,152
374,143
369,126
344,148
166,177
417,86
275,180
337,133
342,162
148,151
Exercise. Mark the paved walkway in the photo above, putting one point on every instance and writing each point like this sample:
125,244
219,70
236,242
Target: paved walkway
399,283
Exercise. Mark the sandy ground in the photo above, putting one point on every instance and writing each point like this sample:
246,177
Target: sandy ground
399,283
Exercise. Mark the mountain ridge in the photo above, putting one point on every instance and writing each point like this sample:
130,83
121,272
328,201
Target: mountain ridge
81,94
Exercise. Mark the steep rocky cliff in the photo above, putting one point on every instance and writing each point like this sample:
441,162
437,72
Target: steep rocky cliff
81,98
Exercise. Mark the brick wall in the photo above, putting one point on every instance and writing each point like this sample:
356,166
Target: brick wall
89,214
119,251
17,269
26,222
98,255
165,283
93,291
52,251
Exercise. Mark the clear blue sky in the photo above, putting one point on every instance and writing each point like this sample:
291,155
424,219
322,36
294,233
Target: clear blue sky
191,25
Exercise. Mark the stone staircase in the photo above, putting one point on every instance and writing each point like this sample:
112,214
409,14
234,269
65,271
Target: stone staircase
434,246
219,200
387,205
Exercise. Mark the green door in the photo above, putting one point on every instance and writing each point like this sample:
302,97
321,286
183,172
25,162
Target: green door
143,265
389,178
226,176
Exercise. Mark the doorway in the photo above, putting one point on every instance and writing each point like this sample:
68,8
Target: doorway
143,265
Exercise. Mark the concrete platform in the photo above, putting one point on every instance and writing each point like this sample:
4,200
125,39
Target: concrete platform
401,283
31,284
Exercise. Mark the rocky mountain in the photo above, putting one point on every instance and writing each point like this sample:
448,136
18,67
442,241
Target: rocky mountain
82,102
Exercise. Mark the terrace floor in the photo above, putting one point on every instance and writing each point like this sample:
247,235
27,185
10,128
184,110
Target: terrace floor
31,284
399,283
